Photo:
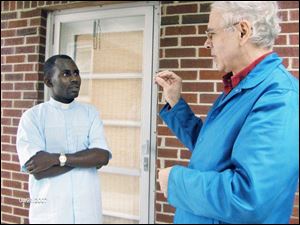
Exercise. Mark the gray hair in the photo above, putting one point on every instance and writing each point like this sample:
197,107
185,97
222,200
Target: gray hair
261,14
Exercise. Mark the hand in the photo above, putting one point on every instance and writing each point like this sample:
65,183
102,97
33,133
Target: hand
171,84
41,161
163,179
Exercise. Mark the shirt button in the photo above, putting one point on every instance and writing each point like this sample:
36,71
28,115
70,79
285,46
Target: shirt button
200,140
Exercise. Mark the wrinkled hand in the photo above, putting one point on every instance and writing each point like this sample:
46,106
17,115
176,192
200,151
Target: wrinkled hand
163,179
40,162
171,84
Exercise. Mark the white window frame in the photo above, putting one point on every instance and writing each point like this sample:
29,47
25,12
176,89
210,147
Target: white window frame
151,11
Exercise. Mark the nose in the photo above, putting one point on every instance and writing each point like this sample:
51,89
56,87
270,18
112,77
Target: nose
75,78
208,44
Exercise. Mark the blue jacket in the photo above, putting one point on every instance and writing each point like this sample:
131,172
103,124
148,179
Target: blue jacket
244,166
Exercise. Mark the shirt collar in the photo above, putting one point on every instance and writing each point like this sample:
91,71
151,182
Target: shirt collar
230,81
61,105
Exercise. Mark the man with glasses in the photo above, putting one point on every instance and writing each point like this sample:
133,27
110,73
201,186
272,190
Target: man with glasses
244,166
61,145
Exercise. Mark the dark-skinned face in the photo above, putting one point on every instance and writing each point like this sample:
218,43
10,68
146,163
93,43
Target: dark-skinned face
65,81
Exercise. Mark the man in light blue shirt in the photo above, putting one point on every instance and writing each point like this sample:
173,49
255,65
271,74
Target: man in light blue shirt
61,145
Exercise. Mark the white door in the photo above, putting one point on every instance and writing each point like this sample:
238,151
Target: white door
113,49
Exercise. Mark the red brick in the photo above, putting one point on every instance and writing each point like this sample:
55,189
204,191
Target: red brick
8,16
33,77
200,109
8,33
283,15
167,153
17,23
210,75
6,209
11,95
169,163
208,98
294,15
21,194
9,130
204,52
14,41
26,49
5,121
168,42
12,112
290,28
287,51
10,218
20,176
24,86
23,104
164,218
10,166
21,212
31,13
185,154
197,87
23,67
193,41
288,4
165,131
187,74
19,4
294,39
16,121
5,138
294,220
158,207
180,52
168,63
15,59
8,148
196,63
180,30
180,9
6,68
190,98
168,208
281,40
13,77
12,5
295,63
173,142
5,191
5,157
11,184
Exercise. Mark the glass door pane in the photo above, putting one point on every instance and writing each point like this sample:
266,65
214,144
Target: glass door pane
109,53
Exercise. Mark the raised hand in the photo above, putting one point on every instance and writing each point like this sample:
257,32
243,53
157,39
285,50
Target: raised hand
171,84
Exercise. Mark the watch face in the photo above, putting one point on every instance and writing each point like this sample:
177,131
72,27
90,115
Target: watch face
62,158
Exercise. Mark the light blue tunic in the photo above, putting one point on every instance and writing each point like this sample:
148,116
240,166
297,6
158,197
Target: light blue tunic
73,197
244,166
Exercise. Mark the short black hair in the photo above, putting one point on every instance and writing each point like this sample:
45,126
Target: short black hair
50,63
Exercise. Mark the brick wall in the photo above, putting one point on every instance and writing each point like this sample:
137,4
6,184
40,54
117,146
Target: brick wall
23,33
181,50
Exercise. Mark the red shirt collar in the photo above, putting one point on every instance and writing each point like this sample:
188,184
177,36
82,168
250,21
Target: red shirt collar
230,81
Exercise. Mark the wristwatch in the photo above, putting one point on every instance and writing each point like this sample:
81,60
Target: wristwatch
62,159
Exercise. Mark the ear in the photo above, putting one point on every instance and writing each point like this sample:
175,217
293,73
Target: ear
48,82
245,30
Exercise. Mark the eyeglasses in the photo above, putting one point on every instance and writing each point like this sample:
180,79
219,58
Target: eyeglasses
211,32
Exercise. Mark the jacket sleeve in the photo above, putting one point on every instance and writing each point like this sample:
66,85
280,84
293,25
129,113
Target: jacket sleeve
183,123
265,164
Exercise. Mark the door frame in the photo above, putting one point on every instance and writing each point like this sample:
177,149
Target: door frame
151,10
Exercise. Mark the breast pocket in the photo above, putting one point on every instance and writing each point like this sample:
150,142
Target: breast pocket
82,138
55,139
